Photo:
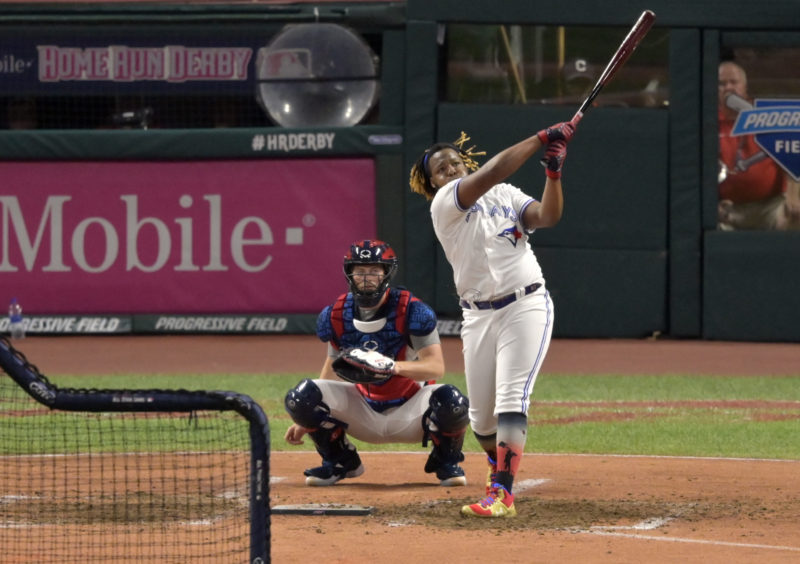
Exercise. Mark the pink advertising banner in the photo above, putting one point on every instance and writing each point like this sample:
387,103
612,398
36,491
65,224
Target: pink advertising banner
245,236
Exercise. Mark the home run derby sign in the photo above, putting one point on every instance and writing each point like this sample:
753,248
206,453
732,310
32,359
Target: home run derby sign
776,126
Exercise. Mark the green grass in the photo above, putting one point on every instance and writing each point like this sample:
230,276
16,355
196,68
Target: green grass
613,414
609,387
184,434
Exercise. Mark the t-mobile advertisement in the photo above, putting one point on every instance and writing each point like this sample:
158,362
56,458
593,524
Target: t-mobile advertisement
244,236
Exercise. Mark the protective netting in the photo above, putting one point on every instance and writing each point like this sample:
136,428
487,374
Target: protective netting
121,487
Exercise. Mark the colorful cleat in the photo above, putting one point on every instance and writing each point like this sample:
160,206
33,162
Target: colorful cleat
491,475
499,503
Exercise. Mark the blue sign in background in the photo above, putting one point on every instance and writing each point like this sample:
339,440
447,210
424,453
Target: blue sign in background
776,126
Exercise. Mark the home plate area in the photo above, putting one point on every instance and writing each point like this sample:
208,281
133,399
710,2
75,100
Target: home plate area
590,508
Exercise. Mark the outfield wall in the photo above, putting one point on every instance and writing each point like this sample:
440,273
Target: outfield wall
637,253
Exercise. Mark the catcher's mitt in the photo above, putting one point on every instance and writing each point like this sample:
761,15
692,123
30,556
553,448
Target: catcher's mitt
361,366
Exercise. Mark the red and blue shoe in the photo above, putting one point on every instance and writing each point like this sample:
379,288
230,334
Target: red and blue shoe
499,503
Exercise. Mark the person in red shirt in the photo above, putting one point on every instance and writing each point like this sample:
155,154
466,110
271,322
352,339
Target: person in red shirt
752,188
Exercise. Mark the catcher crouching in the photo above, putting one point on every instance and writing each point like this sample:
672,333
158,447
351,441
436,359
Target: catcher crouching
378,380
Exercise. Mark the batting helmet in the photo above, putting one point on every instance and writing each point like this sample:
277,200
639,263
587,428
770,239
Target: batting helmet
370,251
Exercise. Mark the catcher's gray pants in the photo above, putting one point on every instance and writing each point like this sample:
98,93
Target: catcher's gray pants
401,424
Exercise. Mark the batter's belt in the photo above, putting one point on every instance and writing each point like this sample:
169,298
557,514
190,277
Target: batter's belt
502,301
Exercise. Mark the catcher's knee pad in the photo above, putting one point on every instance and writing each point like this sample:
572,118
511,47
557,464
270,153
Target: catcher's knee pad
449,409
305,406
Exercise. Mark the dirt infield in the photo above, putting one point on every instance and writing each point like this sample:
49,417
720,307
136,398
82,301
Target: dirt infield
572,508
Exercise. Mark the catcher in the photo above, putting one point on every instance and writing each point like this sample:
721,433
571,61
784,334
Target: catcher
377,383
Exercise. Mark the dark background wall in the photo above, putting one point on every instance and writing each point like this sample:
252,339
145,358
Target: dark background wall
637,252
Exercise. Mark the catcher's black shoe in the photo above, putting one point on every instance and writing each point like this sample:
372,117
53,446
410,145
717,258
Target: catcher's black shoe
449,473
331,472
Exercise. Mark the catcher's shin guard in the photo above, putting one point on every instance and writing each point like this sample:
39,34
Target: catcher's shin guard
444,459
339,457
445,423
331,443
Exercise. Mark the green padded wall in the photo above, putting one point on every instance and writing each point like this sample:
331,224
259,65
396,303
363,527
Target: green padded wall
685,189
606,261
751,286
606,292
420,117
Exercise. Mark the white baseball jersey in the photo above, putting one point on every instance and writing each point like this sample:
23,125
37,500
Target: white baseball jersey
491,257
486,245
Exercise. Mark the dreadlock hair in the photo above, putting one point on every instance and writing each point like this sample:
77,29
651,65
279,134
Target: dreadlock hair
420,178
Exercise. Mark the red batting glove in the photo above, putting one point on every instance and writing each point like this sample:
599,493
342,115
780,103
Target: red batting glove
554,158
559,132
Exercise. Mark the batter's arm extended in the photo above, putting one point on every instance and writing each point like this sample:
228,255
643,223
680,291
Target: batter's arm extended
508,161
496,170
547,212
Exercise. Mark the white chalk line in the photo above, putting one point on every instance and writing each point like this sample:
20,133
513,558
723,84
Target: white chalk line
523,485
656,522
689,541
646,525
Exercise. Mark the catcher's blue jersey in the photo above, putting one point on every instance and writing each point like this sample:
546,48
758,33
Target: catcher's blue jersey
405,315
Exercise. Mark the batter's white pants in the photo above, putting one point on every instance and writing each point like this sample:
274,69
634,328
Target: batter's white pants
503,352
401,424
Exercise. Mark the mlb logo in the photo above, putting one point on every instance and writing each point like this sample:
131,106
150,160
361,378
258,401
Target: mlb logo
285,63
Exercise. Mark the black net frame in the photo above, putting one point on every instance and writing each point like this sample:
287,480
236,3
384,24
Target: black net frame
127,475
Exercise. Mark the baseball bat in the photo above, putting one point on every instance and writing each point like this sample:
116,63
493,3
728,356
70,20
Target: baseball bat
623,53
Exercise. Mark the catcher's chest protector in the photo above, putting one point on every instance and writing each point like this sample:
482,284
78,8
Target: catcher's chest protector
391,339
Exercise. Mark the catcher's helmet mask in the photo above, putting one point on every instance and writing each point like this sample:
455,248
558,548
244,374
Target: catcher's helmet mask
366,252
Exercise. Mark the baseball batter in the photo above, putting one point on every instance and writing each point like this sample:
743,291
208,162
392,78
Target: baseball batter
383,343
483,224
